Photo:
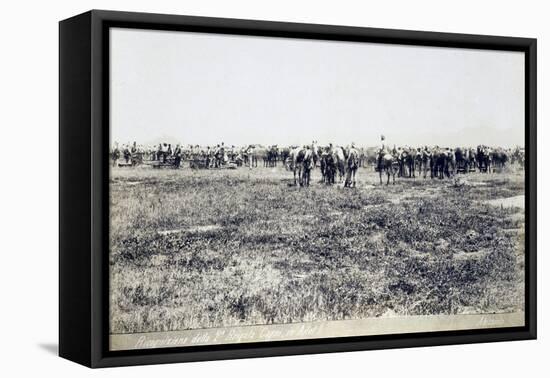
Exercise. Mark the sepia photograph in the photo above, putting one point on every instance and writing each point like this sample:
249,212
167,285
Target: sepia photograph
269,188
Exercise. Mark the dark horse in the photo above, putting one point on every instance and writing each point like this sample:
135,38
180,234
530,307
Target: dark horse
328,166
443,163
272,156
483,156
462,160
417,155
499,159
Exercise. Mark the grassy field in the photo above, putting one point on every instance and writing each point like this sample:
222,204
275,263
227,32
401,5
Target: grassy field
199,249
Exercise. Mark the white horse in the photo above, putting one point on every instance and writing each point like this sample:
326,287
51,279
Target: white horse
340,161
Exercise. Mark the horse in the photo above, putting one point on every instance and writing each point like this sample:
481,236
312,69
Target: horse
443,163
272,155
162,152
389,164
284,154
499,159
115,155
461,156
426,162
439,163
302,162
417,158
471,159
352,163
518,156
483,156
315,153
328,166
406,163
253,153
126,155
451,162
340,161
219,157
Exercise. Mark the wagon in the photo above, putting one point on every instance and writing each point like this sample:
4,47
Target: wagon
199,162
170,162
123,164
136,158
133,159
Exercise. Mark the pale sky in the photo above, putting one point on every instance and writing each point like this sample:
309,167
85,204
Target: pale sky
197,88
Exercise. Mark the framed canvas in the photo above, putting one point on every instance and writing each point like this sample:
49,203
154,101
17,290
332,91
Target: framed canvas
235,188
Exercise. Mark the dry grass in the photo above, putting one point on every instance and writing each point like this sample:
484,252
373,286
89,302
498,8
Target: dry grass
198,249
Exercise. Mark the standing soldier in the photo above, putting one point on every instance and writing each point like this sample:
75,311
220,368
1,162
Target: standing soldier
217,156
207,162
126,154
384,146
115,154
133,153
159,152
177,156
248,153
223,153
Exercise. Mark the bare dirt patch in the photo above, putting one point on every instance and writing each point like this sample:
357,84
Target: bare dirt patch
199,229
516,201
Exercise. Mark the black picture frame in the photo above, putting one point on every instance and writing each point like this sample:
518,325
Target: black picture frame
83,182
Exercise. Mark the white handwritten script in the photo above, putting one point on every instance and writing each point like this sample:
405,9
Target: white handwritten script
297,331
228,336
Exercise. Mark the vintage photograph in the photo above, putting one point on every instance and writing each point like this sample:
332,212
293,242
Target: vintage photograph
266,189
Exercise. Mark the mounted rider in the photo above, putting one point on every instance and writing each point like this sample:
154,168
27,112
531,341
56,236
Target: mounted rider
384,146
382,150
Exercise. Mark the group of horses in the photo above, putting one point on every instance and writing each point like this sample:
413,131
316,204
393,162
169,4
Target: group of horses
445,162
337,164
333,161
